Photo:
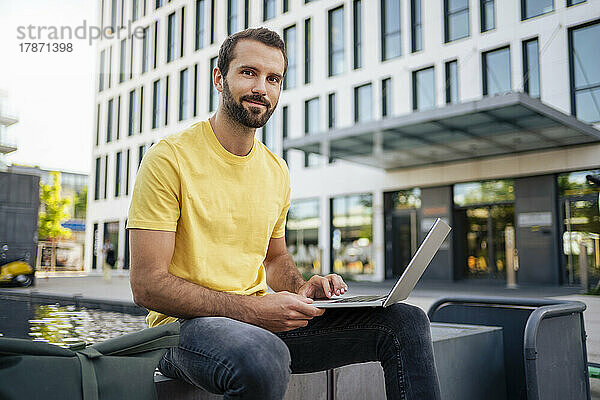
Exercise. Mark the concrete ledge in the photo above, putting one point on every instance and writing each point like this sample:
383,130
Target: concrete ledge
469,360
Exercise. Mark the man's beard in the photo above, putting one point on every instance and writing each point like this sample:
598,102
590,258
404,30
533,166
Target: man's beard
253,118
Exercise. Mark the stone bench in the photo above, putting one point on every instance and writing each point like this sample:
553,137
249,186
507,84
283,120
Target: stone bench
469,360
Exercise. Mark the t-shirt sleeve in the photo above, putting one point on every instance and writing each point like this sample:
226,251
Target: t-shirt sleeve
279,230
155,198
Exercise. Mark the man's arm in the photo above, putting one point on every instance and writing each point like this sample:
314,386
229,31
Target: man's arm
282,274
155,288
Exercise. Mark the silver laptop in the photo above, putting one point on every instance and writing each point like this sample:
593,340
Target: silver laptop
434,239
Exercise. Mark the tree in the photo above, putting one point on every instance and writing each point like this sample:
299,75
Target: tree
53,212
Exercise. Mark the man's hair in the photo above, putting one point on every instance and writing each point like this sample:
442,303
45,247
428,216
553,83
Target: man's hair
262,35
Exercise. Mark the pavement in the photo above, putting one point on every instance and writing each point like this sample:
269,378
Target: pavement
423,296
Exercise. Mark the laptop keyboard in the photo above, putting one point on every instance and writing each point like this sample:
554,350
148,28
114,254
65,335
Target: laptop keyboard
359,299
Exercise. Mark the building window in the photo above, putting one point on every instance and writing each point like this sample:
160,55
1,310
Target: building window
391,34
531,67
158,3
132,113
110,57
352,234
488,15
416,26
171,37
184,94
109,121
98,125
166,100
311,116
122,60
289,38
214,93
212,21
496,72
363,103
286,6
102,68
113,15
156,98
533,8
336,41
200,18
424,89
141,107
132,46
118,123
268,133
195,90
135,10
127,166
285,124
246,15
97,180
456,19
452,82
141,152
118,174
268,9
307,52
386,97
585,74
105,192
357,33
232,17
155,52
573,2
182,32
331,108
145,49
302,235
122,13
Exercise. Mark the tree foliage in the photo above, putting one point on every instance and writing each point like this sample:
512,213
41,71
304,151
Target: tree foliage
53,211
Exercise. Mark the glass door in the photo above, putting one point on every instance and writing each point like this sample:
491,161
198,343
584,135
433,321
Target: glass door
401,241
581,226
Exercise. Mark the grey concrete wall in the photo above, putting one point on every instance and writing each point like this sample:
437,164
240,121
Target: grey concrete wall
537,227
436,202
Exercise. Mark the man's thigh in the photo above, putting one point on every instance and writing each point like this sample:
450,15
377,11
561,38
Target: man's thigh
352,335
214,351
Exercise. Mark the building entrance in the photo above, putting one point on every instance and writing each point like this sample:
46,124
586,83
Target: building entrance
481,233
581,226
401,241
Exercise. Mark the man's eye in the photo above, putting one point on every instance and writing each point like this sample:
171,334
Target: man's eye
246,71
274,79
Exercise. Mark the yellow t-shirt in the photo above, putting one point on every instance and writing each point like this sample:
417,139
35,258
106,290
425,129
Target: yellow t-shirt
223,208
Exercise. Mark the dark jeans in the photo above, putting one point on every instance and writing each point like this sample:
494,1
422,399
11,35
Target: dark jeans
243,361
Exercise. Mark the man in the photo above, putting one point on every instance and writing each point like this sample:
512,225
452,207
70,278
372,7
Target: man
207,224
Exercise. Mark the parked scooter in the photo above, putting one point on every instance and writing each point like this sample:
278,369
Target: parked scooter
15,272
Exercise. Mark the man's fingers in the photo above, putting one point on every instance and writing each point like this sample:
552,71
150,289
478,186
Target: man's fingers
309,310
326,287
339,286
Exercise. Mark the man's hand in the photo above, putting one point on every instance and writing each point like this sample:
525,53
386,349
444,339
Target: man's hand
283,311
323,286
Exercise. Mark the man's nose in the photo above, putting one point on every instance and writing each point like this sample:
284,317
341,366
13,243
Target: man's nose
260,87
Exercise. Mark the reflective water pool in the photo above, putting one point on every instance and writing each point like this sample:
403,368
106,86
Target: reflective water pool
64,325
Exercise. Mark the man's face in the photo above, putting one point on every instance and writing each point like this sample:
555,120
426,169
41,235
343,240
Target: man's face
253,83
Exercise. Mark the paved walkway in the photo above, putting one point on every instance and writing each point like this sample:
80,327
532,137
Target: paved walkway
423,296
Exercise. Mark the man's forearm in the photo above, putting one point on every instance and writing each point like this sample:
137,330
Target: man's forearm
282,274
176,297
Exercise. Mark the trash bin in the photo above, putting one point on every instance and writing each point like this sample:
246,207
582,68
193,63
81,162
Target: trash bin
544,342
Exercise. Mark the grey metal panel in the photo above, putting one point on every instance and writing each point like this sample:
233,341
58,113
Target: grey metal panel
537,245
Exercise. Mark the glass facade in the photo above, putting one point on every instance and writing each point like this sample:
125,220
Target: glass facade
474,193
171,37
352,234
307,52
232,17
531,67
336,46
416,23
289,38
363,103
452,82
109,121
357,33
302,235
456,19
184,101
496,72
406,199
312,117
269,9
533,8
386,97
424,89
200,24
488,15
145,49
391,32
585,74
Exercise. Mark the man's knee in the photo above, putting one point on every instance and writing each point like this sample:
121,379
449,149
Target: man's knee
409,318
263,369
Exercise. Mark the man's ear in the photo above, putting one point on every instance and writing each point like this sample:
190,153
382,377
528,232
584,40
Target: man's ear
218,79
